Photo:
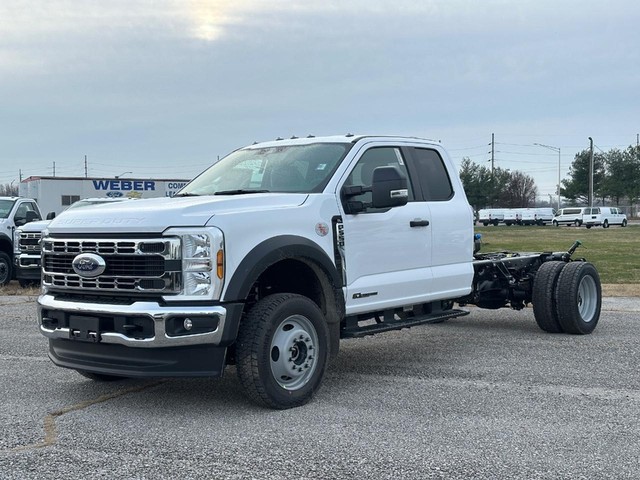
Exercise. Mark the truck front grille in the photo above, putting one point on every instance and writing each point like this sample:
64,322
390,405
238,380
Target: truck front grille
132,265
29,242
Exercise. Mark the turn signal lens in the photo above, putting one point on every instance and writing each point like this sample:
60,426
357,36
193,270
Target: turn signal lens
220,264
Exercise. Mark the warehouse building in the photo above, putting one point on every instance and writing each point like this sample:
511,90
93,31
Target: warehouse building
54,194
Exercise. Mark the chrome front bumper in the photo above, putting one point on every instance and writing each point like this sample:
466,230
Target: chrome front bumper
157,313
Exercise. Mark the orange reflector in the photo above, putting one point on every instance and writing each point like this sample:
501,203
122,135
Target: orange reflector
220,264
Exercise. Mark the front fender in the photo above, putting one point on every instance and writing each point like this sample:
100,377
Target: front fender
271,251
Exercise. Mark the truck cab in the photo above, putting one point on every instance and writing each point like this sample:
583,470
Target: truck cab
14,212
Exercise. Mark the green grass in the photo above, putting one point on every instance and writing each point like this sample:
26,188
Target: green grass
614,251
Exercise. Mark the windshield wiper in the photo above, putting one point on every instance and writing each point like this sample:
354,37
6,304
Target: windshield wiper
186,195
239,192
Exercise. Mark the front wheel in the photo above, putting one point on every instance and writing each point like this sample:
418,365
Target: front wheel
578,298
5,269
555,223
624,223
605,224
282,351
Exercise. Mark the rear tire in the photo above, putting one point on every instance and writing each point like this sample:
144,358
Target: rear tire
6,270
282,351
579,298
605,224
544,296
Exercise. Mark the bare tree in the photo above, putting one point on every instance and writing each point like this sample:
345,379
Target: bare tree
8,190
519,190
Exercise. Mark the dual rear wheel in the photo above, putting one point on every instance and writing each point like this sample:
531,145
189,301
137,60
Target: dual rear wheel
567,297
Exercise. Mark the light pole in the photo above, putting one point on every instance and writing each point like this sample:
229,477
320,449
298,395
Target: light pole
558,150
123,173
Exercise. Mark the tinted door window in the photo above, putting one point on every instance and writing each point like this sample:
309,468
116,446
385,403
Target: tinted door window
362,173
432,175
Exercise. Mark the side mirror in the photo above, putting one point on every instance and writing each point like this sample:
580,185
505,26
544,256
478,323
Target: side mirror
51,215
389,188
31,216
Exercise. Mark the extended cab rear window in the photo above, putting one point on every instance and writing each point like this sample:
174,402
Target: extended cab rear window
432,175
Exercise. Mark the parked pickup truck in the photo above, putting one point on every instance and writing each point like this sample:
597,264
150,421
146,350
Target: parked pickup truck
14,213
26,245
275,254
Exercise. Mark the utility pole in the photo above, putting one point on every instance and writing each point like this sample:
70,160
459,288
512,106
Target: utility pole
54,169
85,166
590,172
559,157
493,144
20,174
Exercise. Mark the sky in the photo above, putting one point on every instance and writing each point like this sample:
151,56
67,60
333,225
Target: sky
162,88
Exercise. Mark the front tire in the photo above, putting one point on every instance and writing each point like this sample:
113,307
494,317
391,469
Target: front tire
605,224
544,296
579,298
624,223
6,270
555,223
282,351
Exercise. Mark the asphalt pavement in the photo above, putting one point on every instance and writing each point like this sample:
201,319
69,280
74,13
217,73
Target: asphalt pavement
488,395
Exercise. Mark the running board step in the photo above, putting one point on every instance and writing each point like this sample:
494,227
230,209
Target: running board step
400,324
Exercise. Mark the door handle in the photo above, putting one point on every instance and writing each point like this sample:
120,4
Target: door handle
419,223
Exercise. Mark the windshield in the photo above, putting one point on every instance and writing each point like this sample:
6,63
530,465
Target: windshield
5,207
287,168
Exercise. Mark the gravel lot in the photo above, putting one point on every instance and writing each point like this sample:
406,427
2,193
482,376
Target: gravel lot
488,395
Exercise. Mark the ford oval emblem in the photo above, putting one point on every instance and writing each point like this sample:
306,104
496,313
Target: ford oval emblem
88,265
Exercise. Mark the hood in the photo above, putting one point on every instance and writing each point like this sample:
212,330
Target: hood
155,215
36,226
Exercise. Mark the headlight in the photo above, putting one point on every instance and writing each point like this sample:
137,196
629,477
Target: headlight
16,241
202,263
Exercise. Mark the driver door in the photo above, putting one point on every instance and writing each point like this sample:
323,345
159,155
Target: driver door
386,252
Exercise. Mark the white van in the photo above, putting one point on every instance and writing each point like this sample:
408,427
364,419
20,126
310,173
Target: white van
613,216
568,216
605,216
511,217
544,215
490,216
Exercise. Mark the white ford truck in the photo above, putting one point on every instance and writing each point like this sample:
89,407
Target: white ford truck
277,252
26,246
15,212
